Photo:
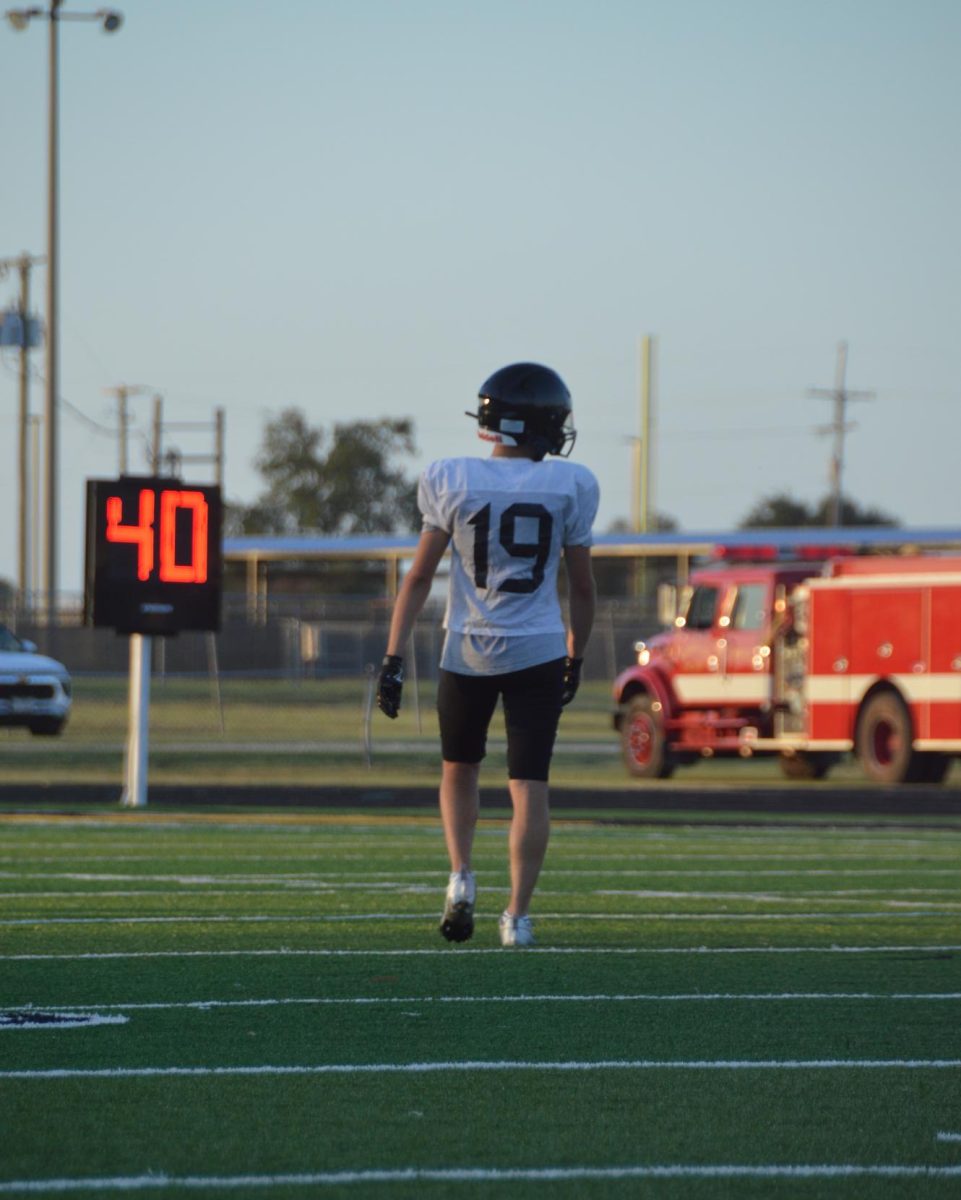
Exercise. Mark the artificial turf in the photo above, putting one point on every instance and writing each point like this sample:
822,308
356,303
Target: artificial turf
711,1007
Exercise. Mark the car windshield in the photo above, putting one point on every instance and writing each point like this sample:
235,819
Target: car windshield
9,642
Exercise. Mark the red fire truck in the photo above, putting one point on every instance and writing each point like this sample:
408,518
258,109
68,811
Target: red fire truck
807,662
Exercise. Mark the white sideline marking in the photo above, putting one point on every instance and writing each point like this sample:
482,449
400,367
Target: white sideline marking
483,1175
286,952
342,918
428,1068
522,998
948,1137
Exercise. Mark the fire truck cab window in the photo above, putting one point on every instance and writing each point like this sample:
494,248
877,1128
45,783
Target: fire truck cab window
749,609
700,612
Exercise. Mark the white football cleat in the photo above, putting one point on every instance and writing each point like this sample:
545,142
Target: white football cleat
516,931
457,923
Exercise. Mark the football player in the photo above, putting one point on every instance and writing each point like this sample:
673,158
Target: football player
510,520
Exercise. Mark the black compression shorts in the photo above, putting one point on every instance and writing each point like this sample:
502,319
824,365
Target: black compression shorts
532,709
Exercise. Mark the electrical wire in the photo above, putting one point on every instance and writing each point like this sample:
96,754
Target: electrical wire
67,405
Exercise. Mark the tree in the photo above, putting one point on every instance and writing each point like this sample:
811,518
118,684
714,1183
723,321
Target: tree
339,483
658,523
782,511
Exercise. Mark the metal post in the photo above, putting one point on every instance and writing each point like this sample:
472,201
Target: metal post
155,445
642,464
138,731
837,458
647,406
19,19
219,445
122,424
213,667
22,456
840,394
53,325
35,423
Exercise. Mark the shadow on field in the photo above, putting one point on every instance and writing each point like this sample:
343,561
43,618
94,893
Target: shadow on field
617,803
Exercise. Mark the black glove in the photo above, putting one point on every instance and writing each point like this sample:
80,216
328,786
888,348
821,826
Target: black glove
572,677
390,685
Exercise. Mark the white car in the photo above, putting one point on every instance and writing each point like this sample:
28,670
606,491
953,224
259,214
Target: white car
34,689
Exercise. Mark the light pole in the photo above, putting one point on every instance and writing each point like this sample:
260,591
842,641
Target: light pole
20,18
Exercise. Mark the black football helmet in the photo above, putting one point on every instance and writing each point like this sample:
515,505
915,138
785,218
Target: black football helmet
528,405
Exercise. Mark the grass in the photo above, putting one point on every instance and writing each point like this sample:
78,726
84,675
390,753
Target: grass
311,732
273,946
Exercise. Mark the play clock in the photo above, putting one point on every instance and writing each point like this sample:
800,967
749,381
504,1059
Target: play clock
154,560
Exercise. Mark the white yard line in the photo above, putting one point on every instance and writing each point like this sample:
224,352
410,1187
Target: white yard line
431,873
523,998
943,897
339,853
468,1066
405,1175
347,918
603,951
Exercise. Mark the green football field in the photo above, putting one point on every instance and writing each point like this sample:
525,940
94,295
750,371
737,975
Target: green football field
260,1005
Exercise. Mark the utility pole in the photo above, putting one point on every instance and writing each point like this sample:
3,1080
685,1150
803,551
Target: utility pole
218,427
35,422
157,438
841,395
19,19
123,392
23,265
641,506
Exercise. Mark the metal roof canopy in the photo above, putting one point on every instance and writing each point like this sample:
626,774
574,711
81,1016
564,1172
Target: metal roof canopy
391,549
380,546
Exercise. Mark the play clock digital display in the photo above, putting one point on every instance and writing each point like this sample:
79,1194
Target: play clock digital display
154,560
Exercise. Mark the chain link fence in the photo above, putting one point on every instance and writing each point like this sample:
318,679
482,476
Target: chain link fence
291,689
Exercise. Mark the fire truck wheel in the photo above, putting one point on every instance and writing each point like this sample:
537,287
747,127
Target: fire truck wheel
643,742
807,764
884,739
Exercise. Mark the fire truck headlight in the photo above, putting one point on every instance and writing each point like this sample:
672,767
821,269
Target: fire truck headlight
643,654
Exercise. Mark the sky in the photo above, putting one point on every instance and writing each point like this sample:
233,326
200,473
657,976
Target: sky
362,208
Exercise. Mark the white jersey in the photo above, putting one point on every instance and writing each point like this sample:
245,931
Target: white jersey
509,520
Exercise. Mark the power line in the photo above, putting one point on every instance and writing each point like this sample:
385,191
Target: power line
73,409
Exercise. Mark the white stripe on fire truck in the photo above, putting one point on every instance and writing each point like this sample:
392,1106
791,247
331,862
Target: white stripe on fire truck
844,689
909,579
701,689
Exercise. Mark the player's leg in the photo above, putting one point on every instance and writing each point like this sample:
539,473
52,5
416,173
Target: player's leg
532,709
459,805
529,834
465,705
